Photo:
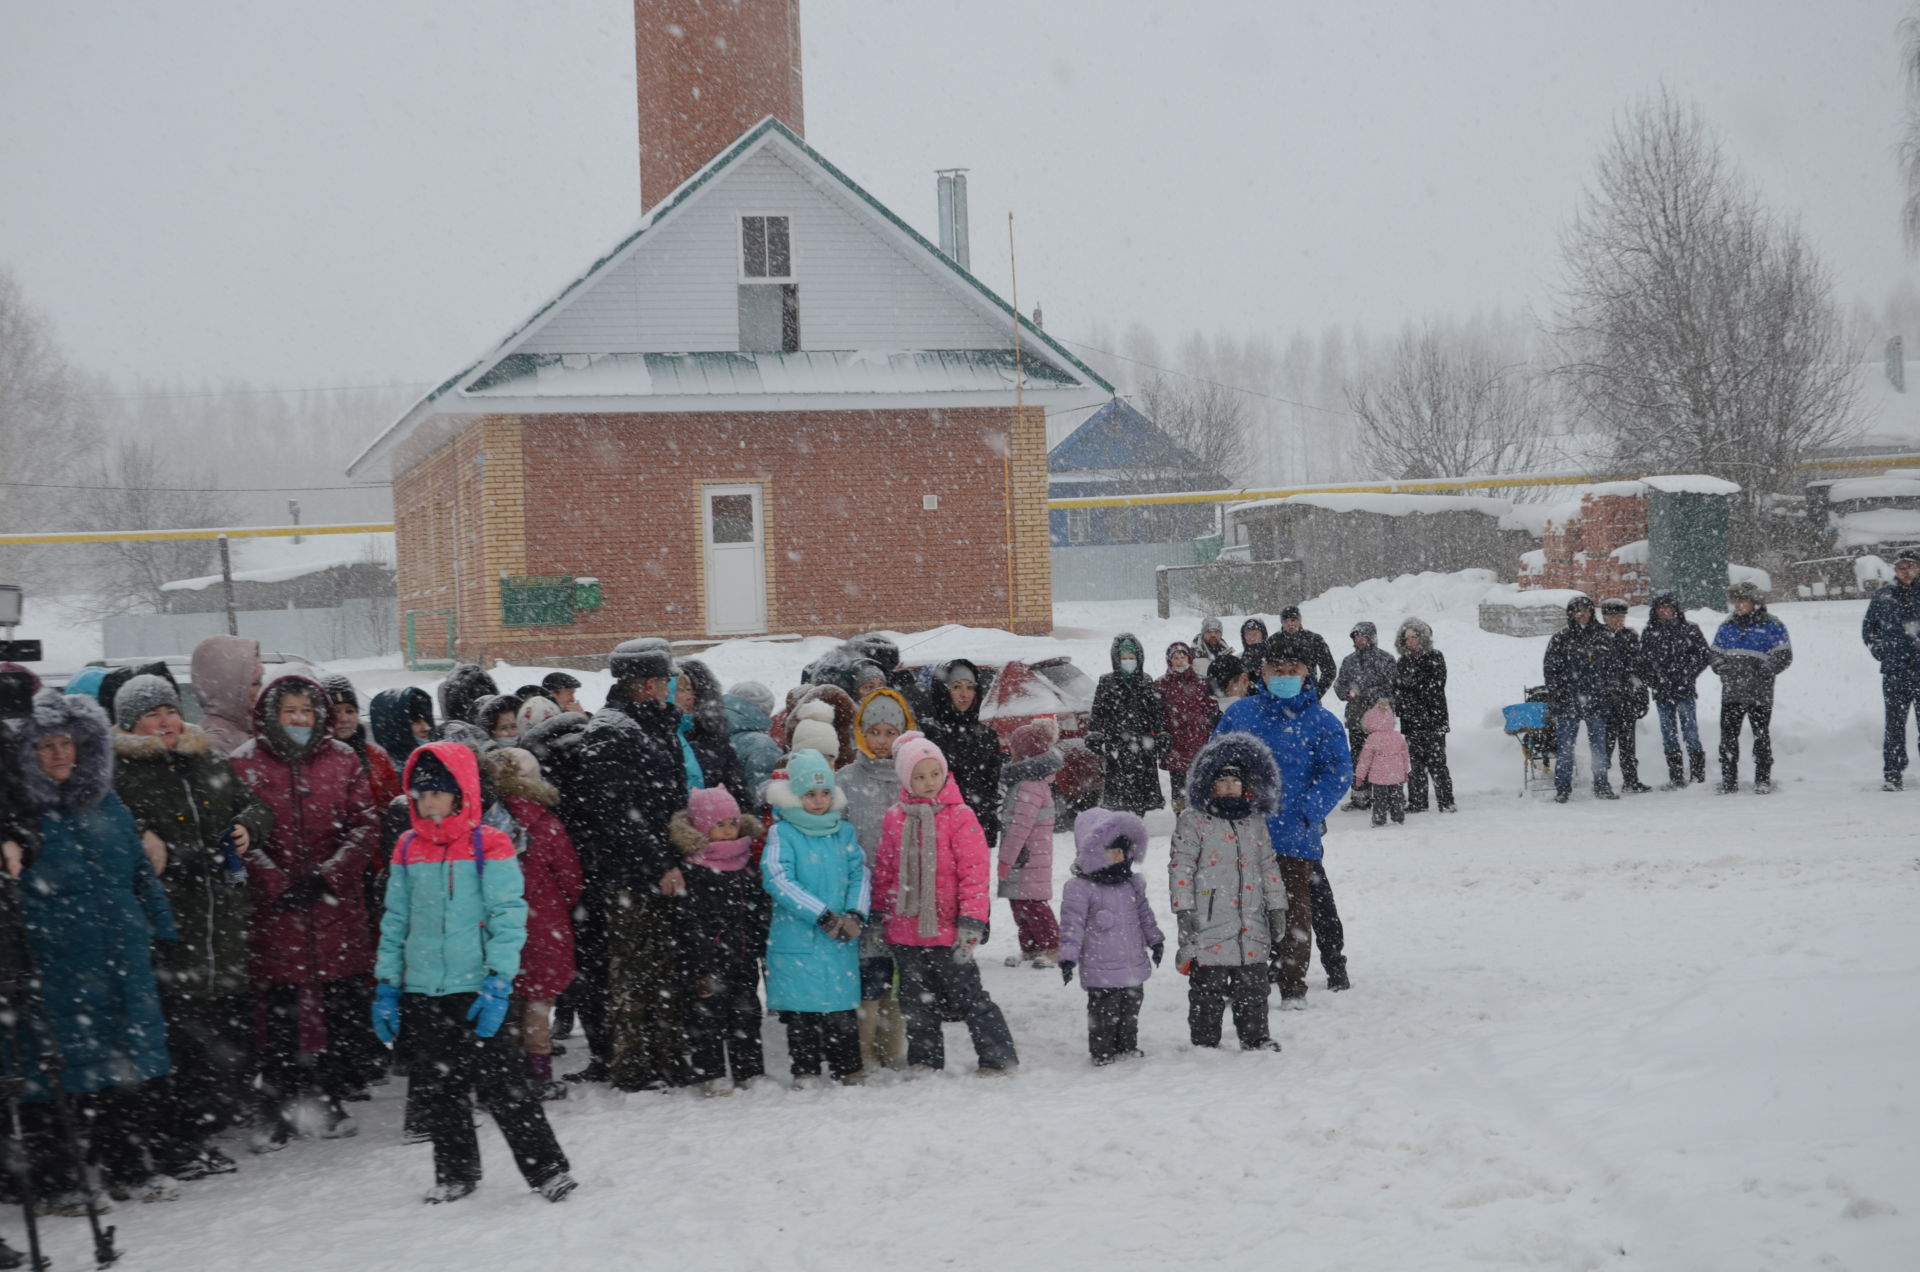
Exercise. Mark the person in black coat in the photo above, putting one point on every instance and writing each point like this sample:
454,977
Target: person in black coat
628,780
952,722
1582,674
1892,635
1673,653
1628,701
699,698
1253,638
1128,731
462,690
1320,665
1420,699
880,649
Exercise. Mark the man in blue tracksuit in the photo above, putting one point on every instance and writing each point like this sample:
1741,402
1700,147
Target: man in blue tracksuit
1749,651
1309,746
1892,633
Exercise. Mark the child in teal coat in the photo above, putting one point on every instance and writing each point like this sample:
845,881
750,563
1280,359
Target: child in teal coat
450,941
817,875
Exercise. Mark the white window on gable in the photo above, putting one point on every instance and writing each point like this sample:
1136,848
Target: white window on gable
766,249
1079,525
769,299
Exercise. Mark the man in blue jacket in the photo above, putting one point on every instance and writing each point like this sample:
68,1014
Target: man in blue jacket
1309,747
1748,653
1892,633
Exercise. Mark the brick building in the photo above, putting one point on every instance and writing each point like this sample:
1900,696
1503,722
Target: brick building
773,407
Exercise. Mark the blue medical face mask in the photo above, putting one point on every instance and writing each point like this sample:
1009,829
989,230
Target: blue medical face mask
299,734
1285,686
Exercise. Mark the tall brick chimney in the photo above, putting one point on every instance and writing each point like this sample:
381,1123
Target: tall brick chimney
708,71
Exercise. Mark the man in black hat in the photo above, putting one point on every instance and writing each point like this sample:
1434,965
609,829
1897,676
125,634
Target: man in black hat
1628,701
1892,632
562,688
629,781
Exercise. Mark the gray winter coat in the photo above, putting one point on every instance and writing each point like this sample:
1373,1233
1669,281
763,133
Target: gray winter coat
871,788
1223,876
1365,674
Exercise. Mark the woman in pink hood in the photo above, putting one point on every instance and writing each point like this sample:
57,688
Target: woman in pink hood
930,877
1381,767
226,679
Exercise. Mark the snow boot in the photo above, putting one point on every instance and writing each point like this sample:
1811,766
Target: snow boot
1892,782
452,1190
1561,797
1699,761
1762,784
890,1034
12,1258
544,1086
1264,1045
1337,978
1605,792
558,1188
1676,772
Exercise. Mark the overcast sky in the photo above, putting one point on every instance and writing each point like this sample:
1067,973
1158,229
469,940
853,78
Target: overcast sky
373,191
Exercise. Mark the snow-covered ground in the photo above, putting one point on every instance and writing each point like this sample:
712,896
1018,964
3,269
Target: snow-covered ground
1674,1032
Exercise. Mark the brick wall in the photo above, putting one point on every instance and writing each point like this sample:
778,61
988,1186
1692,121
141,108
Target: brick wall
1578,553
849,546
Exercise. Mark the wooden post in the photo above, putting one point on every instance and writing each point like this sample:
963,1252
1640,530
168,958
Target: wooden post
226,586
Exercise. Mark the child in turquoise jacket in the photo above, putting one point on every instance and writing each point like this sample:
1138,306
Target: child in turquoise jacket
817,875
450,941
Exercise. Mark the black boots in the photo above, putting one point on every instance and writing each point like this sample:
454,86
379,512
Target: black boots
1699,761
1676,772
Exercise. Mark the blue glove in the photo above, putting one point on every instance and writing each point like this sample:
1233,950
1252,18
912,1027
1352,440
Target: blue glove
386,1012
489,1009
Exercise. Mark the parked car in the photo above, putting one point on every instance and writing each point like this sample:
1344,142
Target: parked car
181,665
1015,693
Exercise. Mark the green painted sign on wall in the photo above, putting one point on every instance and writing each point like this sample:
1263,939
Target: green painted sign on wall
536,600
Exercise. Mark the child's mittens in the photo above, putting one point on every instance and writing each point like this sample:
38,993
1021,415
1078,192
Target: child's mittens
386,1012
1066,972
968,933
1159,951
1188,922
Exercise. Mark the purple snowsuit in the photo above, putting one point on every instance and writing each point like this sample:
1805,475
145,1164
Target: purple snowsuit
1107,928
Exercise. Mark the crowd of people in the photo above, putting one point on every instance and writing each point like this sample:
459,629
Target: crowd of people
248,922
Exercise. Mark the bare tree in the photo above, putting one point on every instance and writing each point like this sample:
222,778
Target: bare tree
47,430
1205,420
1698,330
139,490
1445,405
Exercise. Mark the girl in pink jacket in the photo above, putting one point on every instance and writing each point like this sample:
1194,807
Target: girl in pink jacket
1026,841
930,890
1382,765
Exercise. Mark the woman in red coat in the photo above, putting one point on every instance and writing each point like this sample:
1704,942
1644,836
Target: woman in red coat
310,947
550,869
1191,714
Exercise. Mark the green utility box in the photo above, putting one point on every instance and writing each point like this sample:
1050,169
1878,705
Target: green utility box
1687,520
536,600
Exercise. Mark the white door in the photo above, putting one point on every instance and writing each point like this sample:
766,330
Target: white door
735,533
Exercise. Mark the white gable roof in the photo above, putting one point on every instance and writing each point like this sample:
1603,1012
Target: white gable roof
887,319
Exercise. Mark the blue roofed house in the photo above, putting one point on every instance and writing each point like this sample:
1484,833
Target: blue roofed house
1108,553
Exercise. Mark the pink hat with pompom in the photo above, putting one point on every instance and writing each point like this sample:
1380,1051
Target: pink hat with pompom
710,806
909,749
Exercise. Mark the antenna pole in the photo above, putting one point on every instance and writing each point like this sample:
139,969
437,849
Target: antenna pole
1013,270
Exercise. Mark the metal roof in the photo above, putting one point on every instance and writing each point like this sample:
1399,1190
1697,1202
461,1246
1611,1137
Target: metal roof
628,375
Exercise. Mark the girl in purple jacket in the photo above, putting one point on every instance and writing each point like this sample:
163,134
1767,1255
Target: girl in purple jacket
1107,930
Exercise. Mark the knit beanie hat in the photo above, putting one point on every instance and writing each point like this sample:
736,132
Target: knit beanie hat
810,728
1033,738
867,670
882,708
756,693
959,671
1291,611
711,805
809,770
913,747
1211,625
429,774
538,711
141,695
340,691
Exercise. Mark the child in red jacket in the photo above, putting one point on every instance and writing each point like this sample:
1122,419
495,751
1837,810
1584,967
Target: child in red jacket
550,867
1381,766
930,887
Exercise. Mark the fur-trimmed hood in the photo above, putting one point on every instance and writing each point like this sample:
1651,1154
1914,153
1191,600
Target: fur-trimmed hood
512,781
1419,628
1262,776
135,747
688,841
779,794
1096,828
80,719
266,716
844,712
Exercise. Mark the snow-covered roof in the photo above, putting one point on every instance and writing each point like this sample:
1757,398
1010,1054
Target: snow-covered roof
665,377
1639,552
1891,418
1891,486
278,559
1691,484
1385,505
1879,525
495,384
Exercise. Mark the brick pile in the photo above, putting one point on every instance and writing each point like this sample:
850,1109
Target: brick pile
1579,552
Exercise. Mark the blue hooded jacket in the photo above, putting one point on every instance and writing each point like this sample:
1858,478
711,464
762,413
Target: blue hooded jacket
1309,746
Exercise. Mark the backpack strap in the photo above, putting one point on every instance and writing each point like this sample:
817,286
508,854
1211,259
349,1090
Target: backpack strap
405,841
479,854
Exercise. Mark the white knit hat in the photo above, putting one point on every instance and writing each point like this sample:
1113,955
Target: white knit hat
810,728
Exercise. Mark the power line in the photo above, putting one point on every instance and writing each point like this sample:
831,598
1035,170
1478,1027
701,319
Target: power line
196,490
1219,384
416,386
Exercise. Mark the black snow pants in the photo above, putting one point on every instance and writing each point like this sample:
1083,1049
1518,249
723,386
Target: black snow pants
1209,992
1113,1022
451,1066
